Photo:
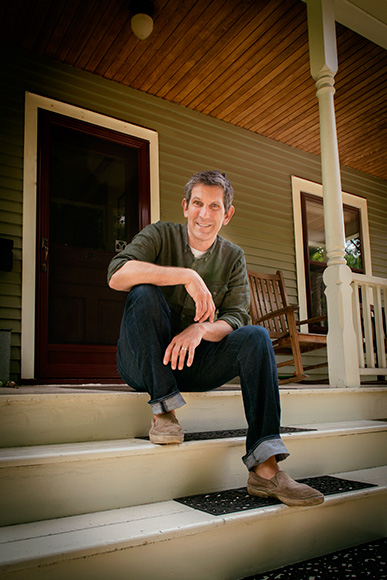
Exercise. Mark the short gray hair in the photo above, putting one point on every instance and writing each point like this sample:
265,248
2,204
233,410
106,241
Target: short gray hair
211,177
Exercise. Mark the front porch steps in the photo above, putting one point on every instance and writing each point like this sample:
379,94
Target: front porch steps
168,540
53,481
82,496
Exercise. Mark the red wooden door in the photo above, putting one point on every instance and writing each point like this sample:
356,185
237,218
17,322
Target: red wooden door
93,196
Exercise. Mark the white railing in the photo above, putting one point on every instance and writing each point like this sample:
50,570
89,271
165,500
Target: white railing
370,321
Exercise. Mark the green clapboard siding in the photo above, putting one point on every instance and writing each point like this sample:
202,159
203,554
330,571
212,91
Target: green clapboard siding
260,170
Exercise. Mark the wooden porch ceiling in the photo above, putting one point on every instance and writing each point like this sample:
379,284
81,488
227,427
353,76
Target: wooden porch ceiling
244,62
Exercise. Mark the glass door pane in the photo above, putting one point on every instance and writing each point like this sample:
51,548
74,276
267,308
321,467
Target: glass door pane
93,186
93,211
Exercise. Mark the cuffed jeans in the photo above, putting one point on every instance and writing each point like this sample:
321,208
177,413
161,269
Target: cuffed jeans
246,352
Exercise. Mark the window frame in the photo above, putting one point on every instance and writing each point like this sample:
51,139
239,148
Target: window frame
300,186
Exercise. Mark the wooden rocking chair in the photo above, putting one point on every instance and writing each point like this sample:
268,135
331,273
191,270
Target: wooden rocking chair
270,307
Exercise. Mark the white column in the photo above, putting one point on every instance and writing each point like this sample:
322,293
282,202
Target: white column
341,341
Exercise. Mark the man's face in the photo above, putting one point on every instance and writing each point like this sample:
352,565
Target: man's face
206,215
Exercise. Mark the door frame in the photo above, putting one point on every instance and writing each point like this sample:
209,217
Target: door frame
34,102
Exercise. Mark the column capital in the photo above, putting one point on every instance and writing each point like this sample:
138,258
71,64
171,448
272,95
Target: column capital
325,82
322,38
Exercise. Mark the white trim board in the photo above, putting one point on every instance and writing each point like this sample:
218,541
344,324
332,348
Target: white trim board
32,104
365,17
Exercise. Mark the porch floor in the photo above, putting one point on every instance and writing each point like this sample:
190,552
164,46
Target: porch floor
122,388
357,563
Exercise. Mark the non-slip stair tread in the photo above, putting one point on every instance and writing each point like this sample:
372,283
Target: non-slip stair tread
285,430
227,433
364,562
236,500
128,527
376,475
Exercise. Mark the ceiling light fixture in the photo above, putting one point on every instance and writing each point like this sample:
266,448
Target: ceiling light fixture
142,22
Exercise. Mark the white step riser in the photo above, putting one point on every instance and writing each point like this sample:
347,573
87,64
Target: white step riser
330,405
59,486
62,418
92,416
225,549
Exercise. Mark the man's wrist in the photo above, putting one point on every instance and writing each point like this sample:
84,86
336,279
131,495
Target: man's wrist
204,327
215,331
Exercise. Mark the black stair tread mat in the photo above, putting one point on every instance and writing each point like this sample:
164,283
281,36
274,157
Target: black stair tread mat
366,561
237,500
224,433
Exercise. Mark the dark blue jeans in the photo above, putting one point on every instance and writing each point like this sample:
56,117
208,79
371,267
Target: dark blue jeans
247,352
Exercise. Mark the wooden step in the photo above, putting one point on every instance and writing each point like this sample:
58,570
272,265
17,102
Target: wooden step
170,541
42,482
63,415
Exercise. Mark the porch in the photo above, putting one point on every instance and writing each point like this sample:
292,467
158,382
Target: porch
259,169
78,496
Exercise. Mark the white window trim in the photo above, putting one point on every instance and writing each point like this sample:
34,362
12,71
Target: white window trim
302,185
32,104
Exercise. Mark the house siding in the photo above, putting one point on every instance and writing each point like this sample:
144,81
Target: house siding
260,170
11,209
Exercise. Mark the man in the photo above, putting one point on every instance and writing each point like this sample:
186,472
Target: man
185,328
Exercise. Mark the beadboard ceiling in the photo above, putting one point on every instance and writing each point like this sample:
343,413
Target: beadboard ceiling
244,62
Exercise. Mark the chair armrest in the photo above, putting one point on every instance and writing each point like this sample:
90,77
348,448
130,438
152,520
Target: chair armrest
311,320
279,312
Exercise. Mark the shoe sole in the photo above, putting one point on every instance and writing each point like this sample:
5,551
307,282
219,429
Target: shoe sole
166,439
317,500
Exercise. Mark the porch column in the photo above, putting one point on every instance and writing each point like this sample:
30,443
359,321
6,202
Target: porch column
341,341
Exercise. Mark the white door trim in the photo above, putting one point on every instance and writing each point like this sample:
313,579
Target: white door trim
32,104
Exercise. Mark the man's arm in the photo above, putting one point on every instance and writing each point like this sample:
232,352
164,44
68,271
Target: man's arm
135,272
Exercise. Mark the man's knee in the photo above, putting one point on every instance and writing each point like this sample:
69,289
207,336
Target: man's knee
145,306
146,296
255,332
146,291
255,337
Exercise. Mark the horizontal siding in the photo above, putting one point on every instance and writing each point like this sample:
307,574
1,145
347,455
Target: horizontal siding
11,207
259,168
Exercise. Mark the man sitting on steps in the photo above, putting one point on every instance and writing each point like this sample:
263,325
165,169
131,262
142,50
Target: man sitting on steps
186,327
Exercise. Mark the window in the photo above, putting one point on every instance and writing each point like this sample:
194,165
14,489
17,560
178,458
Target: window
315,258
310,244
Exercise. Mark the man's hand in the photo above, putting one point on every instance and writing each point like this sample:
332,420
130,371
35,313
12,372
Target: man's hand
182,348
197,289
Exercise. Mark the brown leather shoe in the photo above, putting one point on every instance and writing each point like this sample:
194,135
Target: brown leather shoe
284,488
165,430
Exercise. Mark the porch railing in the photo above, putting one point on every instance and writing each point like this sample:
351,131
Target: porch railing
370,321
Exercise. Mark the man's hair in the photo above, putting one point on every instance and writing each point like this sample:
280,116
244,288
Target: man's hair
211,177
